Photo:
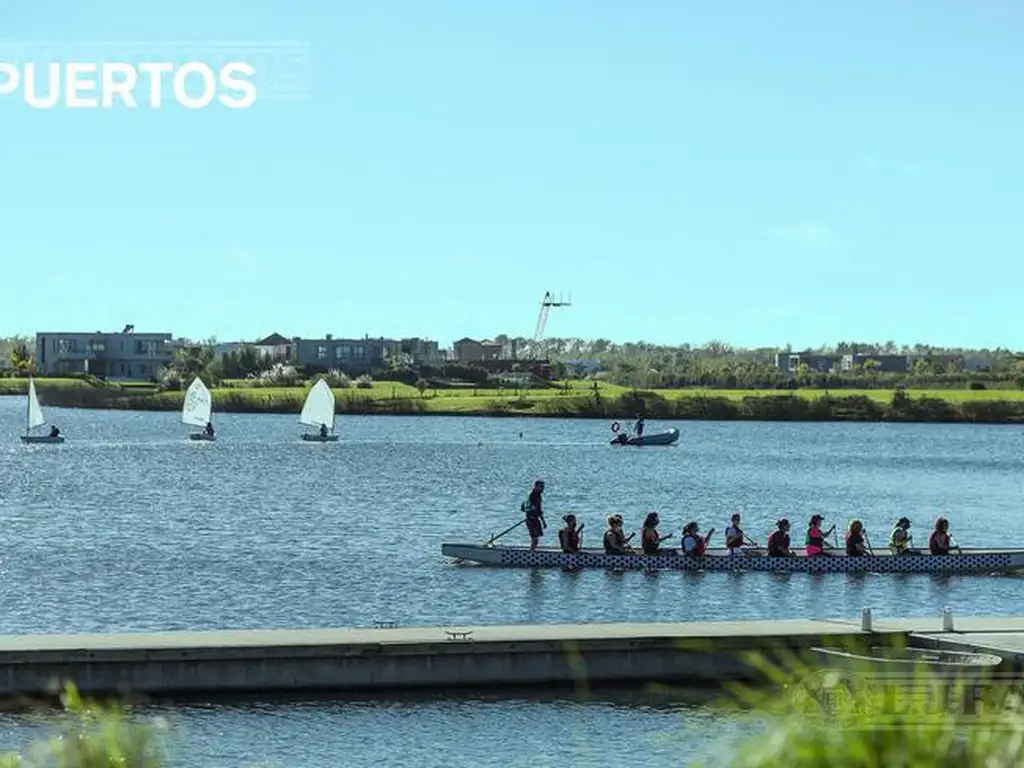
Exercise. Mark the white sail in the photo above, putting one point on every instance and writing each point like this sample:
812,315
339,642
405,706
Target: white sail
198,404
318,409
35,413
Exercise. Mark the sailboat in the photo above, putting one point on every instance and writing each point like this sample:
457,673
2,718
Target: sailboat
197,409
34,419
318,411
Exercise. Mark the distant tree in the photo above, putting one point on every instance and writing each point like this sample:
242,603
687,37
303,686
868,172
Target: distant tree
21,357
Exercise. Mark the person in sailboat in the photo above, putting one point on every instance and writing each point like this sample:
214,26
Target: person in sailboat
323,430
208,430
54,432
639,425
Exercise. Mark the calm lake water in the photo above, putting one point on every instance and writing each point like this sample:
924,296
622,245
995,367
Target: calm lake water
129,526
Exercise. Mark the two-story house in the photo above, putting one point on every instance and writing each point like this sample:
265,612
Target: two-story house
349,355
124,355
422,351
790,362
273,347
472,351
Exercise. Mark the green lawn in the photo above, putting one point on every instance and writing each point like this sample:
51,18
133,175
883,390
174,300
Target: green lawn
467,400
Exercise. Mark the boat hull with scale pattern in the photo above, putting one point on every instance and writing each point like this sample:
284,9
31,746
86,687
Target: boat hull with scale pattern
969,561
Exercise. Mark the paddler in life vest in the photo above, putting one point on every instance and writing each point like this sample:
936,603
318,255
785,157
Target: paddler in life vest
940,541
778,542
533,509
734,536
693,545
569,536
615,541
815,541
900,540
855,541
649,538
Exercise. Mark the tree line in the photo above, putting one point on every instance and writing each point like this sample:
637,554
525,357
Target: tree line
640,365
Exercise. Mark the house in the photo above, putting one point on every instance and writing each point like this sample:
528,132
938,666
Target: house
274,347
472,351
124,355
789,362
946,362
349,355
421,351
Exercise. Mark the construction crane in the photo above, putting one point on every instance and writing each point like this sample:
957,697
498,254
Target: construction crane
546,304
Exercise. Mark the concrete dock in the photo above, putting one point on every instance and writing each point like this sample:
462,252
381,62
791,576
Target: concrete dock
438,658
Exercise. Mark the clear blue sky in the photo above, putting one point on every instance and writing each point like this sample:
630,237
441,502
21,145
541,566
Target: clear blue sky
749,171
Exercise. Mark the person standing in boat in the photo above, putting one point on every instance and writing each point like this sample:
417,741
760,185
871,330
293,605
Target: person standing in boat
734,536
855,539
639,425
533,508
940,541
569,536
615,541
815,542
693,545
650,541
778,541
900,540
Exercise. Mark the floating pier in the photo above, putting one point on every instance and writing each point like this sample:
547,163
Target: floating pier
440,658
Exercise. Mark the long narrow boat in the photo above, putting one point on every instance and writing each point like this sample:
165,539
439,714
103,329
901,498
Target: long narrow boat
983,561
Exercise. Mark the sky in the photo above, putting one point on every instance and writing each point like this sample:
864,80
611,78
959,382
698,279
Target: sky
753,172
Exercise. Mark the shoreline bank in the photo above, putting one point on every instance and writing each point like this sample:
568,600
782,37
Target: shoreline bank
931,406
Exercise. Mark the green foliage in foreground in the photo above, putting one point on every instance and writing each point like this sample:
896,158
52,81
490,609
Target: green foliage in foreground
93,736
822,718
853,720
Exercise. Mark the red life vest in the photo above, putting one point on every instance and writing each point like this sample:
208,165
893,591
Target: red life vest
699,548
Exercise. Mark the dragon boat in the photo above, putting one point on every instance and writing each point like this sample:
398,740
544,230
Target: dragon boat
966,561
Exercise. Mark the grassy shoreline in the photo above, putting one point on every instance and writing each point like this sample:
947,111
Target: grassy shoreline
571,400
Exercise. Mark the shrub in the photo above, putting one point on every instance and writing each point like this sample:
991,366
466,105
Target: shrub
820,717
279,375
337,379
170,379
364,382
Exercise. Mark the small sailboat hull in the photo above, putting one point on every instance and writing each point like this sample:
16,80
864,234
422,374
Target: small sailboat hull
668,437
320,438
41,439
202,436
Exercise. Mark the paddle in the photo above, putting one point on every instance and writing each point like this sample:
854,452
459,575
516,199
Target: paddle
493,539
490,541
867,541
